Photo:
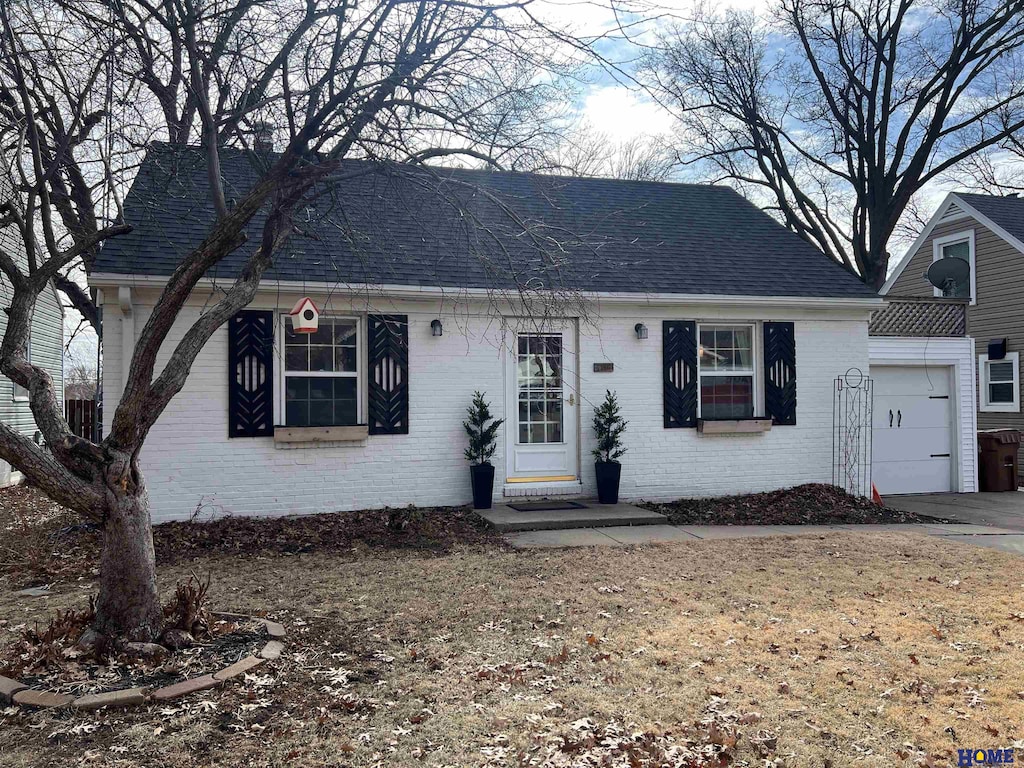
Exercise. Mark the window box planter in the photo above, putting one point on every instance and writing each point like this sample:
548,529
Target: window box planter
320,434
733,426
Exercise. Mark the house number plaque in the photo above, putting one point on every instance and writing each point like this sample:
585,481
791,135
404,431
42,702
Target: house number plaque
604,367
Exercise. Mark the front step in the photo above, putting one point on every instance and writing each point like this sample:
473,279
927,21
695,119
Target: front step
593,515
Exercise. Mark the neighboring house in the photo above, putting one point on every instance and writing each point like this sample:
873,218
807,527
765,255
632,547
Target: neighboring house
46,346
988,232
722,332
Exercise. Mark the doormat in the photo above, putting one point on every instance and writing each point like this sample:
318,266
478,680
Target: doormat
545,506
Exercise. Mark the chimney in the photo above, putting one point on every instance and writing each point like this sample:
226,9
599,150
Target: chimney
1012,194
263,137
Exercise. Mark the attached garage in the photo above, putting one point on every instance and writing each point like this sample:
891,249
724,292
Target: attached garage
913,429
923,425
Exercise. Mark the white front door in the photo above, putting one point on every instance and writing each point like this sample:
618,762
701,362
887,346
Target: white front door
912,435
542,431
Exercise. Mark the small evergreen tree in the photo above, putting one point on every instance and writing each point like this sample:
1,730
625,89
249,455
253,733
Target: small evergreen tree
481,435
609,426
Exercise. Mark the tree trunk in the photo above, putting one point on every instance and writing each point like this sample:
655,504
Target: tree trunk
128,607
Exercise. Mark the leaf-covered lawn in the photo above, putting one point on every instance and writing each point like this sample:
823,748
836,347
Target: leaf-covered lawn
843,649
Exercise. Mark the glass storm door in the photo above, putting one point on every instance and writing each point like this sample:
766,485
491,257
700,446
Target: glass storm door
543,403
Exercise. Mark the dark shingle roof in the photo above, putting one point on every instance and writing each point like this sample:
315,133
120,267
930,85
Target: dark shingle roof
402,225
1007,212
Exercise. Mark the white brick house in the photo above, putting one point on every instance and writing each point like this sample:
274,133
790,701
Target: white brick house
320,445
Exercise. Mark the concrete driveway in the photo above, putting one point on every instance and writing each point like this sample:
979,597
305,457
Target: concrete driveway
996,510
1003,510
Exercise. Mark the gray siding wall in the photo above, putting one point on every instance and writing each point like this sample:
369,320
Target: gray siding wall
999,310
47,347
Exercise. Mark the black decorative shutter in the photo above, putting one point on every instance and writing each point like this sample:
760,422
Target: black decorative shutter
679,361
251,374
389,374
780,373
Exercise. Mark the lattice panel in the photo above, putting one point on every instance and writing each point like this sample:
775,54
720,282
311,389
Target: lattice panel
388,391
780,372
679,361
920,317
251,374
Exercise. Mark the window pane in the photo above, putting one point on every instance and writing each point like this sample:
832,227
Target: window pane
296,358
321,359
1000,393
290,336
345,334
323,334
296,388
961,250
554,433
726,347
554,411
726,397
297,414
524,434
345,359
345,413
321,389
321,401
321,413
1000,371
345,389
537,410
524,345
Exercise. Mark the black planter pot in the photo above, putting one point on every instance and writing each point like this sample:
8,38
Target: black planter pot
608,474
482,476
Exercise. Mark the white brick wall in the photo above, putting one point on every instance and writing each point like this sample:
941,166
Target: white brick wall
189,460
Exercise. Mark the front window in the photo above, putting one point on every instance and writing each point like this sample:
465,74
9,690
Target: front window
726,371
321,374
1000,383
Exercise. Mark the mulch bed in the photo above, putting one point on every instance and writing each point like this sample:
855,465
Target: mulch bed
811,504
40,541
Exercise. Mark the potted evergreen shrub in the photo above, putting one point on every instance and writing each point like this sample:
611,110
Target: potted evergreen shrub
608,426
482,443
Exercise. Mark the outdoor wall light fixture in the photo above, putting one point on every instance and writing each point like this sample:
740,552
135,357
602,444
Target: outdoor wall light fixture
435,328
641,331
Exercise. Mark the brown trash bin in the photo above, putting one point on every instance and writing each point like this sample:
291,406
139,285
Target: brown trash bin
998,452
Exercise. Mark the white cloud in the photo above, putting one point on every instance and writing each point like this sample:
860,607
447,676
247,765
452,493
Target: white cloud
622,113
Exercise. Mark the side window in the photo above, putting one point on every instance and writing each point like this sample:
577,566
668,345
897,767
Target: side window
1000,383
956,246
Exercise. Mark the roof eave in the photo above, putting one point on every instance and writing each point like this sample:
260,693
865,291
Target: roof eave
104,280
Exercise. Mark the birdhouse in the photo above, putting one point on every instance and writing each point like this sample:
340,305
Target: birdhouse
305,316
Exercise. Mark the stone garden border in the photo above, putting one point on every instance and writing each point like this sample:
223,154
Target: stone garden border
16,692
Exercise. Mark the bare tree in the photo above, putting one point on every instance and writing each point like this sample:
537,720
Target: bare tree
838,111
586,152
83,86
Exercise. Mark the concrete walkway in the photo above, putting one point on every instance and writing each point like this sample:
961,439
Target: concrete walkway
1005,539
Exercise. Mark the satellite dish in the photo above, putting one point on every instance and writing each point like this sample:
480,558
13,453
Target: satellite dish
948,274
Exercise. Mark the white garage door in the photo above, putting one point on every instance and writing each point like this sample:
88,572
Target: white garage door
912,450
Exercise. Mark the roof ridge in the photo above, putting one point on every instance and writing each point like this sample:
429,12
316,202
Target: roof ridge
241,152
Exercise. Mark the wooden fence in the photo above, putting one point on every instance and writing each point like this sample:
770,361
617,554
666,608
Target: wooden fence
81,417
